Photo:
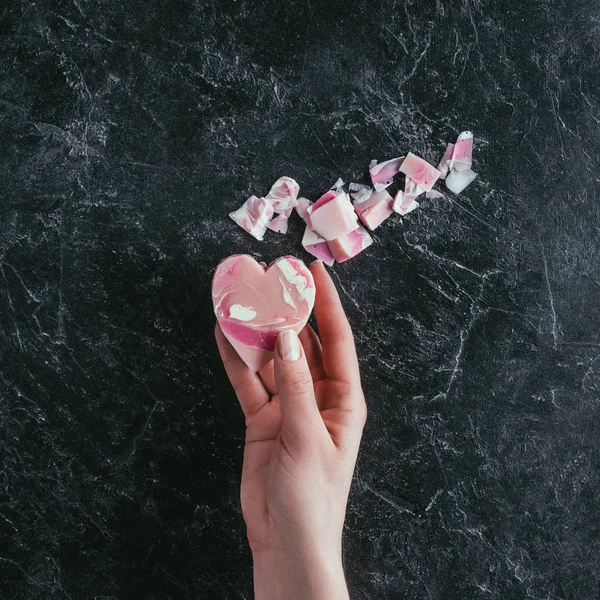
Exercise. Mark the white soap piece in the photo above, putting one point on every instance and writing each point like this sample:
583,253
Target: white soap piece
457,181
434,195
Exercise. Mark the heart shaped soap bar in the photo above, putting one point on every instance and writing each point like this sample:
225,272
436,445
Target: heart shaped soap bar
253,303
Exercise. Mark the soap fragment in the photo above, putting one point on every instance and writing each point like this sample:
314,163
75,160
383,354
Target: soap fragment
375,210
457,181
361,195
278,224
382,174
338,184
253,216
333,217
314,244
444,165
434,195
404,204
462,157
351,244
420,171
254,305
283,195
302,208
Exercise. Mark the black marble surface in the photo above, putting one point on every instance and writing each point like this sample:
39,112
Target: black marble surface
128,131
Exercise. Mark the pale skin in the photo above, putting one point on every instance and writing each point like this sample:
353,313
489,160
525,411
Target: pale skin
305,412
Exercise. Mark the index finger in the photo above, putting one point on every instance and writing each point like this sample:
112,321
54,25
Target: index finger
339,353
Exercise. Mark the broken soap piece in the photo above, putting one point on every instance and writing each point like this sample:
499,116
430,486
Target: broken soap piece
253,216
278,224
317,246
382,174
362,195
434,195
351,244
302,208
254,305
445,162
457,181
404,204
283,195
420,171
338,184
333,217
372,164
462,157
375,210
355,187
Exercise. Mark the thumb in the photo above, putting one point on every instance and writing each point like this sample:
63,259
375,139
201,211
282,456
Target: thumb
295,384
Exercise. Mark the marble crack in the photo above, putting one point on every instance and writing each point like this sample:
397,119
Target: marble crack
399,508
550,297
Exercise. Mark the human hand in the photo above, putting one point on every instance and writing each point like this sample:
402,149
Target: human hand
305,412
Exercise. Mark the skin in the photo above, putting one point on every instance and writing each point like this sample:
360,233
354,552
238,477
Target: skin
304,422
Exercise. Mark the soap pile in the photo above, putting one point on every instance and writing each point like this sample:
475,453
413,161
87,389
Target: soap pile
333,232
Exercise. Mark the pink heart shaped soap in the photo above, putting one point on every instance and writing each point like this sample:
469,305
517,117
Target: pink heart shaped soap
253,303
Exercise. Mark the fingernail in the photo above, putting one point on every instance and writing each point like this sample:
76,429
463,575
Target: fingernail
316,262
289,346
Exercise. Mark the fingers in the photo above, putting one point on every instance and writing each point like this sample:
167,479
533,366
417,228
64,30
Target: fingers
248,387
300,413
339,353
312,350
267,376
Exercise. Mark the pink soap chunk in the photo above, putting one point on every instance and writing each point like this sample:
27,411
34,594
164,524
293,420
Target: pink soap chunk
445,162
462,157
317,246
403,204
324,199
374,211
382,174
278,224
253,216
253,304
420,171
351,244
283,195
333,217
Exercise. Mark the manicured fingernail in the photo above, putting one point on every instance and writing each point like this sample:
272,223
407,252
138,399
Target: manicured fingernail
289,346
316,262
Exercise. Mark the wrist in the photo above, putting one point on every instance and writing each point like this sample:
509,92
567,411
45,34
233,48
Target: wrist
303,575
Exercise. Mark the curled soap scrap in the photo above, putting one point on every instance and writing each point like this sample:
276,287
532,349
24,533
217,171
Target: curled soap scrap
444,165
382,174
278,224
283,195
253,216
314,244
402,205
253,304
462,156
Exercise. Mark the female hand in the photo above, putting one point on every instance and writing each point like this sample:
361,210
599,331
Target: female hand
305,413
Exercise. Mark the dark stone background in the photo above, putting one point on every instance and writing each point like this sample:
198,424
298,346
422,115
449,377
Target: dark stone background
128,131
